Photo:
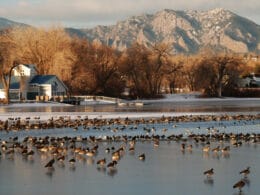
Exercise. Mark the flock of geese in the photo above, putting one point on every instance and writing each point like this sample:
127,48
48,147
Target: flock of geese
29,123
60,150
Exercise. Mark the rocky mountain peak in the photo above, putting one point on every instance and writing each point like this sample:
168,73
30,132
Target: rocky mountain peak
185,31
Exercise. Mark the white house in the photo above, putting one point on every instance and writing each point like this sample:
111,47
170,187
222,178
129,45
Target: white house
251,80
28,70
27,84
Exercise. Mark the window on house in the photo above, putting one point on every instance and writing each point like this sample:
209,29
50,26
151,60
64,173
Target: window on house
22,73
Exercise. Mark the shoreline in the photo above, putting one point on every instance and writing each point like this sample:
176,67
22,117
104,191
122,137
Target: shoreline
174,98
167,98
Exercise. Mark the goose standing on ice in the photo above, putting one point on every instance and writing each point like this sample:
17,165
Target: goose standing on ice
50,163
209,172
240,184
245,172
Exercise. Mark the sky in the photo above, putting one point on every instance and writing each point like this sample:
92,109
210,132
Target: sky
90,13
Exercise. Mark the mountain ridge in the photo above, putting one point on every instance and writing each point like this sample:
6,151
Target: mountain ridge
6,23
185,31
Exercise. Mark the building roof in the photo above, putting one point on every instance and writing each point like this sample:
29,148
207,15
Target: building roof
46,79
38,79
29,65
42,79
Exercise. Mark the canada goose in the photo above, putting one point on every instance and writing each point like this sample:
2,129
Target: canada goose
240,184
90,153
72,161
189,148
156,143
131,144
245,172
115,156
225,149
217,149
209,172
141,156
24,152
131,149
61,158
112,164
30,153
101,162
44,149
50,163
206,149
107,150
183,146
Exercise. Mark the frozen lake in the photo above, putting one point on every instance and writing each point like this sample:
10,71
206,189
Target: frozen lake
178,105
166,170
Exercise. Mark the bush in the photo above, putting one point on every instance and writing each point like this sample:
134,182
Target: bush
242,92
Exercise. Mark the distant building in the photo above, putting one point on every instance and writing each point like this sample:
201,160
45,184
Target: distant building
26,84
251,80
251,57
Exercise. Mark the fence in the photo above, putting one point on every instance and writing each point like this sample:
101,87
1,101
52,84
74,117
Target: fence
97,98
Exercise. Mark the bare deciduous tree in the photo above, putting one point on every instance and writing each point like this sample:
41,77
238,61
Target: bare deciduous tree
49,49
216,72
8,61
146,68
159,67
174,73
96,69
135,62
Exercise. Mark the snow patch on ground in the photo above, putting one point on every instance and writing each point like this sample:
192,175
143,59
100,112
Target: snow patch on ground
95,102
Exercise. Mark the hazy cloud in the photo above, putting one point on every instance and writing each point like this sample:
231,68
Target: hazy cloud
85,13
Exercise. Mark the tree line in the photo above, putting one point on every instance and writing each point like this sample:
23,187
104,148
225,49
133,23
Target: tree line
92,68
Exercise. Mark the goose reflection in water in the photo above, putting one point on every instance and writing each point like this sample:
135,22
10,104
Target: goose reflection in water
209,181
50,171
112,172
101,170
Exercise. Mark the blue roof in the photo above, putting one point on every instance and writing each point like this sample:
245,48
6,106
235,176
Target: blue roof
38,79
42,79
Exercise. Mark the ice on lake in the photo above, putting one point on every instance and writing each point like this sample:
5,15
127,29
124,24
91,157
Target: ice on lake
167,169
